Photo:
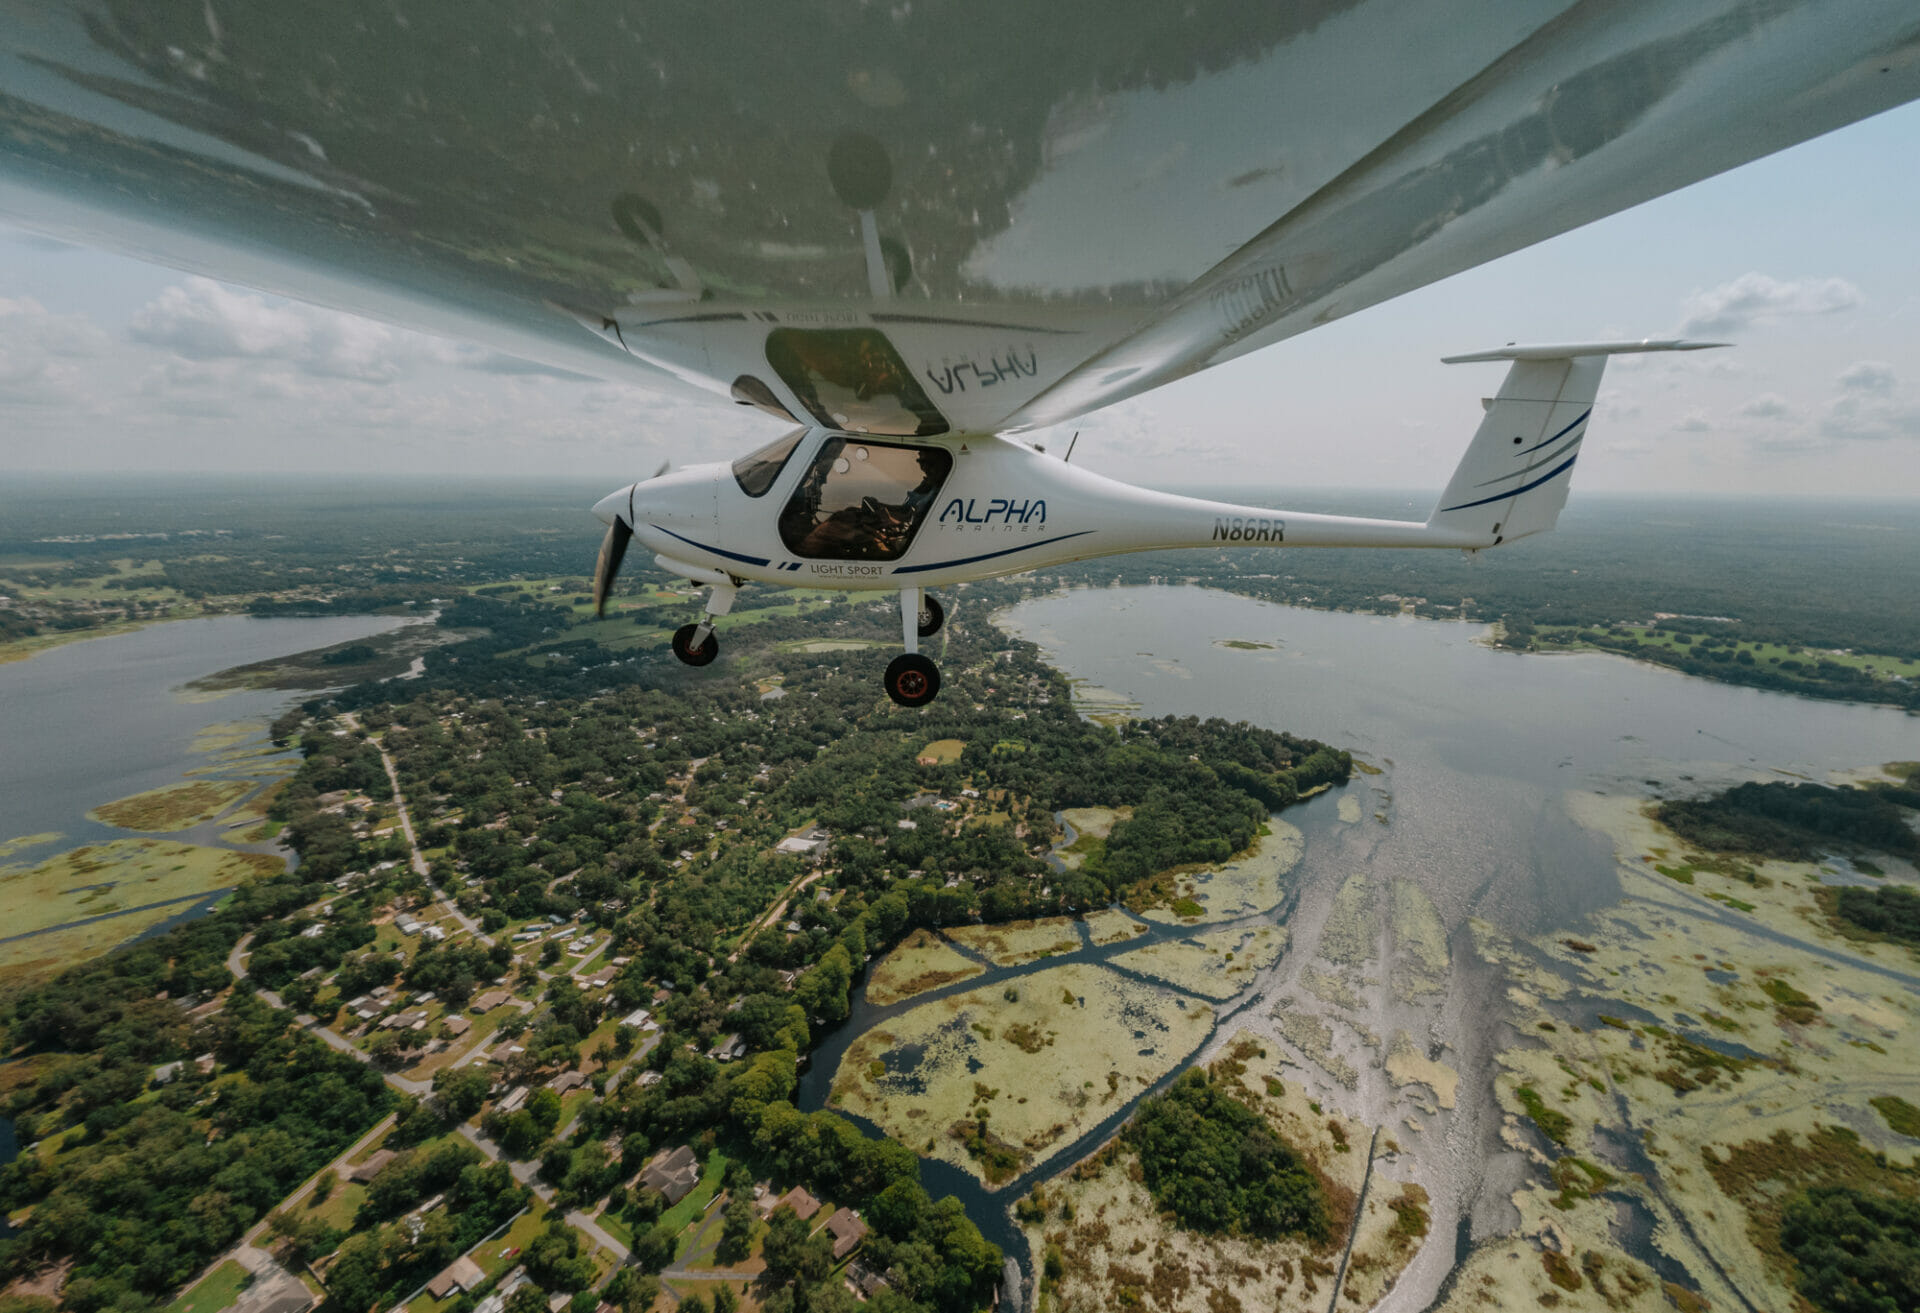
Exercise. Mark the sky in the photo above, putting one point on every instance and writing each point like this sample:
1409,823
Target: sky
1808,260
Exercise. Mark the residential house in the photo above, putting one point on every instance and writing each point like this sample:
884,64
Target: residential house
672,1174
462,1274
847,1231
490,1000
803,1204
727,1048
366,1171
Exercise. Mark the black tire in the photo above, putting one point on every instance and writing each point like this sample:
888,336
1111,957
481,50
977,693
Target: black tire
936,615
684,649
912,680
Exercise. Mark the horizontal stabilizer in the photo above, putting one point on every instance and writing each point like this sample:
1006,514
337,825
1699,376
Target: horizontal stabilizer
1513,481
1573,350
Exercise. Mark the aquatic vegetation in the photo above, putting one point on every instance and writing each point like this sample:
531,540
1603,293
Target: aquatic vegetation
173,807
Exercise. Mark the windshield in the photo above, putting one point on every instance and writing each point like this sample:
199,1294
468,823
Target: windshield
756,471
862,501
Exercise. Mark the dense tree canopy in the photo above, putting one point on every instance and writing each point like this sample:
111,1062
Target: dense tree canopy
1216,1166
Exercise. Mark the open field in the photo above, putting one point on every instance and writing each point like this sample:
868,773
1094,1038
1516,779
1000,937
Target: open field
993,1079
944,751
218,1290
173,806
923,962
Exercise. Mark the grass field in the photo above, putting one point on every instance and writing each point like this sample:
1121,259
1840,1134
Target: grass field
220,1288
1766,654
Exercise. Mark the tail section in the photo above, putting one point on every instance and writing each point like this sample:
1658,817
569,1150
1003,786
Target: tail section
1513,481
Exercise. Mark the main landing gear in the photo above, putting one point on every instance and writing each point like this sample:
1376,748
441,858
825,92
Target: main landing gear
696,644
911,679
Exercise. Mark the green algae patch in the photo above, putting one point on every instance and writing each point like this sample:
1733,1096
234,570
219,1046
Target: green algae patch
1019,941
1902,1118
119,875
1219,965
9,847
1249,883
1056,1067
173,807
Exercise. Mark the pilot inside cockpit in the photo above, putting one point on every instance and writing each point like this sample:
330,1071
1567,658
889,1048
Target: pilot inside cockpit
862,501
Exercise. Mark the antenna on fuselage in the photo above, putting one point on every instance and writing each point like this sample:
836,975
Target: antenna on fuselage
1069,456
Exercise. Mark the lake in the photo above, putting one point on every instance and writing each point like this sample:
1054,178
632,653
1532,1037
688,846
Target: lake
1477,749
99,719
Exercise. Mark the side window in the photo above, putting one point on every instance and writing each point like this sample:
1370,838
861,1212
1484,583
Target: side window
862,501
756,471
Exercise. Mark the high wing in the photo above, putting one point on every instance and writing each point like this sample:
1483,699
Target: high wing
902,218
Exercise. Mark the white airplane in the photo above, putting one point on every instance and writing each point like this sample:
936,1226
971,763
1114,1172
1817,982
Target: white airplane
830,509
913,229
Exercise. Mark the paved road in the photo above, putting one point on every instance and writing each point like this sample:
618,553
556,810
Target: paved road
418,862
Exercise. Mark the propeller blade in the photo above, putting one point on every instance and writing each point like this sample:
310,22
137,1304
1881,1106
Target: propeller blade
613,549
665,465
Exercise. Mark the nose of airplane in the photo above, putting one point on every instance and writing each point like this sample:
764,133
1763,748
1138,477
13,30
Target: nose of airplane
610,507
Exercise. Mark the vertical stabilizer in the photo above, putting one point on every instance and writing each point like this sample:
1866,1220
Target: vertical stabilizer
1514,478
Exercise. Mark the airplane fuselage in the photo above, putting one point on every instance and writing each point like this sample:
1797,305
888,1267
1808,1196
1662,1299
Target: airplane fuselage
850,512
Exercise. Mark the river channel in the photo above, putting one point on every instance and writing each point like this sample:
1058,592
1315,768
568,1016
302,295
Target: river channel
1477,750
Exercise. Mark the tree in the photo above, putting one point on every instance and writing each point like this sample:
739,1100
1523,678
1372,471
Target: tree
654,1250
736,1236
544,1107
461,1090
353,1281
527,1298
791,1253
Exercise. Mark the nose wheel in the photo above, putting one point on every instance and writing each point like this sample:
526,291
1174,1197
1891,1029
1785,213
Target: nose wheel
695,644
695,647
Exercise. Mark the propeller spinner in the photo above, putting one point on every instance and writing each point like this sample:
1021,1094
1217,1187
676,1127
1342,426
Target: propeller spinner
613,549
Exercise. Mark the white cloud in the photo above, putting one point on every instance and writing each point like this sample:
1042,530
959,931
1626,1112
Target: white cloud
1768,405
41,354
1866,417
203,320
1694,421
1758,298
1868,376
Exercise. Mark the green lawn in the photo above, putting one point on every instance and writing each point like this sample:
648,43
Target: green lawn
220,1288
340,1206
493,1257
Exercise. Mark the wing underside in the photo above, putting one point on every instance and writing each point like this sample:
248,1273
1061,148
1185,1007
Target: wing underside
1027,211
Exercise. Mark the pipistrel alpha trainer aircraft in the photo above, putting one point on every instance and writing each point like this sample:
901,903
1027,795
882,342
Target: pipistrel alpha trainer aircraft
832,509
916,228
